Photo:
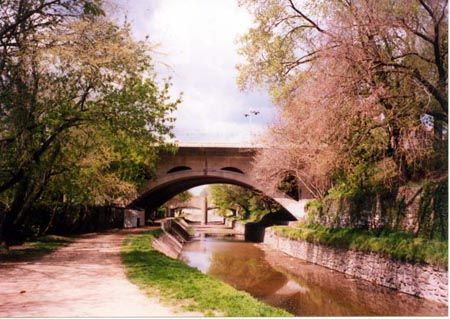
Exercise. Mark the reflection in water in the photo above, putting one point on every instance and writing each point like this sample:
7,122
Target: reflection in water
299,287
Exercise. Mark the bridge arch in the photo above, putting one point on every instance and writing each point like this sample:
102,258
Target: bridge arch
168,186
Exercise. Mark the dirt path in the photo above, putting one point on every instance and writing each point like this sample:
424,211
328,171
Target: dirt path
84,279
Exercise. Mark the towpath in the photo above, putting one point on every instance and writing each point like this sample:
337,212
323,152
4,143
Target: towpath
83,279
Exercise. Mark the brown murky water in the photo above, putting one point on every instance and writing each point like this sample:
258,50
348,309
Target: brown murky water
302,288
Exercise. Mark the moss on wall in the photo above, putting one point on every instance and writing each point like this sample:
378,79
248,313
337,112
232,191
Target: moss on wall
421,209
433,211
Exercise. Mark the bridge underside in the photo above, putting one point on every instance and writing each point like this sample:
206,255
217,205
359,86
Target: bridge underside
166,188
195,165
157,196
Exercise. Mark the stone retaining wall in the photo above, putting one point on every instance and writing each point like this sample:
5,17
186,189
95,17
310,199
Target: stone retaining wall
420,280
239,227
170,243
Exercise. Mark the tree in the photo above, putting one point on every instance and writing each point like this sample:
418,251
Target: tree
81,112
407,37
180,199
353,79
247,203
184,197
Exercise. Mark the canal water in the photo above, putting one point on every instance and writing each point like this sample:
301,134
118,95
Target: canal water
302,288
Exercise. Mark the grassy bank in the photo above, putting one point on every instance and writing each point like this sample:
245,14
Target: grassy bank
34,249
178,283
397,245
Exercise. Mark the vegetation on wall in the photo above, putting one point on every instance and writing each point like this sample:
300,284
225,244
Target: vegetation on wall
433,211
393,244
424,214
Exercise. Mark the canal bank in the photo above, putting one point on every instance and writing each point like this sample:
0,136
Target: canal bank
300,287
185,288
420,280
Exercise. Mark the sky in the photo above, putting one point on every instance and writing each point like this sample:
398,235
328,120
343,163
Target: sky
198,49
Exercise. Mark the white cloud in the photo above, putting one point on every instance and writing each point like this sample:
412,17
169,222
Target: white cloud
198,40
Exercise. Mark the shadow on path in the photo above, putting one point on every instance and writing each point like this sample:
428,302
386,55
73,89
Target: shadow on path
83,278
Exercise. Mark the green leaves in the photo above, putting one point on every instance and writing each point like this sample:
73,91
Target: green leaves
82,111
249,204
276,47
93,7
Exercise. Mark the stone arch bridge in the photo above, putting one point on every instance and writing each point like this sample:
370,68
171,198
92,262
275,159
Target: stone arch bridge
199,164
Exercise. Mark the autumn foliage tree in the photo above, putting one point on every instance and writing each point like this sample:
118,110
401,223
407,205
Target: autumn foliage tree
354,81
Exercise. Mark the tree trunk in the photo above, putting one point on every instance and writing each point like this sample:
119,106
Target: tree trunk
2,221
25,195
397,155
50,222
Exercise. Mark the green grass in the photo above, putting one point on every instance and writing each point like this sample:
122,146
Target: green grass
397,245
35,249
179,284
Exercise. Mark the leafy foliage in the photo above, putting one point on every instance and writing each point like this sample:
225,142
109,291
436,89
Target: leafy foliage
433,211
353,80
177,203
179,199
82,114
247,204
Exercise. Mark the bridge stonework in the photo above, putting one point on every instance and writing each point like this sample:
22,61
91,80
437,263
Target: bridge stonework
194,165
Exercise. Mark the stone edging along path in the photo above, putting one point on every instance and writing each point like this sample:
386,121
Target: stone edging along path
424,281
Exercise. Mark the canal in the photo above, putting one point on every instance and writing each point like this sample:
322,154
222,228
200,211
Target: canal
302,288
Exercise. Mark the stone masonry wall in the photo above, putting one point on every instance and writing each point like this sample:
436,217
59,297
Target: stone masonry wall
419,209
410,196
420,280
239,227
